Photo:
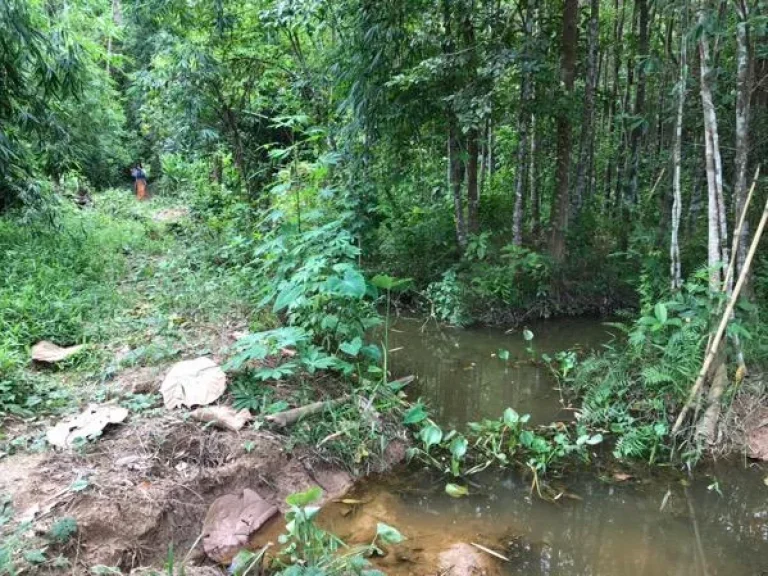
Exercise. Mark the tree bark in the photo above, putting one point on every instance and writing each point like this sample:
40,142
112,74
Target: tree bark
674,246
586,141
716,247
473,200
567,73
639,107
456,177
743,92
521,171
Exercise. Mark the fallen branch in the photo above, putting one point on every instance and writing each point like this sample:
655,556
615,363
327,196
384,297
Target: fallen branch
489,551
712,352
288,417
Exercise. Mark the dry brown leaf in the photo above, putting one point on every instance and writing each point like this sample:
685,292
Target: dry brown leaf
224,417
230,522
195,382
50,353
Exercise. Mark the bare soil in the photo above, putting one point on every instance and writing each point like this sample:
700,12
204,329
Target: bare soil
150,484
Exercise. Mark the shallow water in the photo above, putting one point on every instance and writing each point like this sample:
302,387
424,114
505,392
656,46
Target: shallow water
656,523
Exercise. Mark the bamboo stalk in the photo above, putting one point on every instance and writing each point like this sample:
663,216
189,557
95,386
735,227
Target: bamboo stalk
737,232
712,352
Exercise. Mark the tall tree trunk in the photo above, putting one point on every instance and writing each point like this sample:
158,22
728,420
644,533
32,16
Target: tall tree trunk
567,73
586,141
618,43
456,177
639,108
473,200
743,93
674,245
521,171
533,183
717,250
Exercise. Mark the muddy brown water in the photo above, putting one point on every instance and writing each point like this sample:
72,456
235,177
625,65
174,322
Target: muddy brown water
656,523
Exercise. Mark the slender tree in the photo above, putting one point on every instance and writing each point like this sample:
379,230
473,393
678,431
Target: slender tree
569,41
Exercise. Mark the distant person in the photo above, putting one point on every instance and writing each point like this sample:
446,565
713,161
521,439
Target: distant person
139,181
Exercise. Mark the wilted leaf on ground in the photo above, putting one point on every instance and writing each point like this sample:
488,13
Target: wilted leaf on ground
456,491
88,423
50,353
230,522
193,383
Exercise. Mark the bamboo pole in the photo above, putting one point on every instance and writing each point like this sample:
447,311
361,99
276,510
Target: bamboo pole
737,232
712,352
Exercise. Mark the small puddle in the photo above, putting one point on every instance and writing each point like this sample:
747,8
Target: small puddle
655,524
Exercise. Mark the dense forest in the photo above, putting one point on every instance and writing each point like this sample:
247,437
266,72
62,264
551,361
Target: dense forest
473,162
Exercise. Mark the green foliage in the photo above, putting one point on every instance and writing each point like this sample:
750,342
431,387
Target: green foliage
58,284
633,389
309,550
62,530
498,443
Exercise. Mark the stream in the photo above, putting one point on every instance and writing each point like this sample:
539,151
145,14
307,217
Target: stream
656,522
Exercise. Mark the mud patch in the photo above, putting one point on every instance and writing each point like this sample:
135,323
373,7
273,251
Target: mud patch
150,484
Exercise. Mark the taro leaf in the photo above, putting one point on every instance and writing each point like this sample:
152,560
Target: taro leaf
389,283
388,534
526,438
415,414
301,499
503,354
456,491
527,335
660,311
511,418
286,297
352,348
372,352
431,435
351,286
458,447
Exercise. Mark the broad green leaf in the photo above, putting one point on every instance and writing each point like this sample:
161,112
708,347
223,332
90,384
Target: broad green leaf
431,435
388,534
660,311
389,282
301,499
352,348
351,286
414,414
286,297
503,354
458,447
456,491
35,556
511,418
527,335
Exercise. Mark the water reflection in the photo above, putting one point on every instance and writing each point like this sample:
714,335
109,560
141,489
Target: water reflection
459,374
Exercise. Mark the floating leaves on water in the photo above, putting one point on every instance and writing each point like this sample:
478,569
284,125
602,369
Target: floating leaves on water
527,335
456,491
388,534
